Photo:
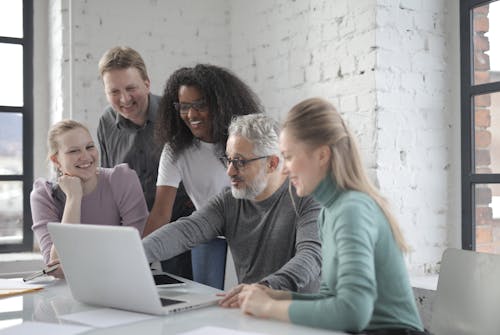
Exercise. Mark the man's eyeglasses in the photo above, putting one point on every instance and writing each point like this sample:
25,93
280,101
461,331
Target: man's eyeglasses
237,162
184,107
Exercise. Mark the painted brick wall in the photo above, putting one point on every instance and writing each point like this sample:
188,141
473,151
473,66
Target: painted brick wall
40,89
390,66
386,66
168,34
292,50
58,32
418,123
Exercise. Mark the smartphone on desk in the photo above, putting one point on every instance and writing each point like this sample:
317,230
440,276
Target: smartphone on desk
164,280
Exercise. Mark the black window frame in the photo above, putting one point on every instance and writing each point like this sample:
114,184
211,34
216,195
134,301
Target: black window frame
468,90
27,112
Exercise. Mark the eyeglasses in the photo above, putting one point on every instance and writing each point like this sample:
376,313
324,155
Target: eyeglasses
237,162
184,107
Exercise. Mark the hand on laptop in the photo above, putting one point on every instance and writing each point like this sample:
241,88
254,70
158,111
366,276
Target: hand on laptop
230,299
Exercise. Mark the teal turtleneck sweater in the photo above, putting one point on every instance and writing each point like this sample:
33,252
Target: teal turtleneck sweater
364,284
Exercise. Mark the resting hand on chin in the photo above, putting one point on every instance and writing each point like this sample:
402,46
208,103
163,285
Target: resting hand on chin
71,186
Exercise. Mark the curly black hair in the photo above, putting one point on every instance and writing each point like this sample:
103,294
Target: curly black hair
226,96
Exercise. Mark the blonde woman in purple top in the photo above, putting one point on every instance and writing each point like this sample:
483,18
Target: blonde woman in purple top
83,193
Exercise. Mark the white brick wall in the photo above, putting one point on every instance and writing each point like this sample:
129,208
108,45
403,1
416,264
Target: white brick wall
168,34
291,50
390,66
418,126
40,91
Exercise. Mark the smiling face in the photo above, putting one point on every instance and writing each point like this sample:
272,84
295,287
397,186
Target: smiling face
306,167
198,120
251,180
128,93
76,154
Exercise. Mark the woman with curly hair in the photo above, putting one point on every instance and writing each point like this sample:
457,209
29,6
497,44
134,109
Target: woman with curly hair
194,114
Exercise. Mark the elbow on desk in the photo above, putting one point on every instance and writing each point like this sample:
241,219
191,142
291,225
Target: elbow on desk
356,315
332,313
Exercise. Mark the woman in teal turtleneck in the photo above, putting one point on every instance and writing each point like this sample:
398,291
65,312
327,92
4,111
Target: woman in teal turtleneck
364,286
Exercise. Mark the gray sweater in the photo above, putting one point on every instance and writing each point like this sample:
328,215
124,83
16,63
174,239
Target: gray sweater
268,240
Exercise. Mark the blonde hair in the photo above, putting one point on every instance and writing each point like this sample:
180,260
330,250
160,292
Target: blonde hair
316,122
57,130
118,58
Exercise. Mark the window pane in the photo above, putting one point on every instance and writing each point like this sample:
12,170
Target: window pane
11,18
11,80
486,43
11,143
11,212
486,134
488,218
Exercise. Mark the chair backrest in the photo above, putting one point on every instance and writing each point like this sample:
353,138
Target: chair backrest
468,294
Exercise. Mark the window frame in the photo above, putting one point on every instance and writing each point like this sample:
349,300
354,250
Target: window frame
27,112
468,90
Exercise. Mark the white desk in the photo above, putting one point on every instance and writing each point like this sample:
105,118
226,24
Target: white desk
56,300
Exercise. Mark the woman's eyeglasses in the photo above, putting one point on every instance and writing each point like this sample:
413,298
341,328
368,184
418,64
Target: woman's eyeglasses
238,163
184,107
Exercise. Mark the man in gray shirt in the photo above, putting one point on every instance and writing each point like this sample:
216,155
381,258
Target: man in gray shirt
272,233
123,141
126,132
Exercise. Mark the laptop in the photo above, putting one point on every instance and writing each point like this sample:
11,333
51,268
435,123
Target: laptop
468,294
107,266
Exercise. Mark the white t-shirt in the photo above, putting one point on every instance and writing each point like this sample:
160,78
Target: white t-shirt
198,167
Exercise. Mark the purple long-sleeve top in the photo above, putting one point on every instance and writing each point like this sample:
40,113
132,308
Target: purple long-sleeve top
117,200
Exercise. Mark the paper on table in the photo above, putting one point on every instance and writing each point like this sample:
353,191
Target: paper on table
43,328
219,331
105,317
16,283
10,287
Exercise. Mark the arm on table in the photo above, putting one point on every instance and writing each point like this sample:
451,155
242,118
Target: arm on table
259,302
231,298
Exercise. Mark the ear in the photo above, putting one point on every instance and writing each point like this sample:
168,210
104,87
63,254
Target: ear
147,83
324,155
272,163
55,161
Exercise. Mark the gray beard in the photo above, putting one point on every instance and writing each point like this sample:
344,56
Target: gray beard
253,189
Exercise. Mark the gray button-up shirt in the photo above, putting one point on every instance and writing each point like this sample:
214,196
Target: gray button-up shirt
122,141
